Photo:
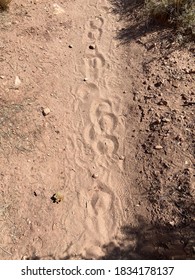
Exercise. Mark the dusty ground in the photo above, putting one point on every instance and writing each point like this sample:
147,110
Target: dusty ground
109,172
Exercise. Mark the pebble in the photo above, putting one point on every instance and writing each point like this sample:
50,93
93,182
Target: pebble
91,47
70,46
175,84
46,111
162,102
166,120
158,147
121,157
57,197
57,9
95,176
17,82
192,71
85,79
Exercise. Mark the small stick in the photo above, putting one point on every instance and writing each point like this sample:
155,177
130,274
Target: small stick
5,251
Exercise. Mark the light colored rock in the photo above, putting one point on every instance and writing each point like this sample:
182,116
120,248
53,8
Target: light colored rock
46,111
121,157
166,120
57,9
17,82
158,147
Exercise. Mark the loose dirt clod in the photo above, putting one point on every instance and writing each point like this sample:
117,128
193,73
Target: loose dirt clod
57,197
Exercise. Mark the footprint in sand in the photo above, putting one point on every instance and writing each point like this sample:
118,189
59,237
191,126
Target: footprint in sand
94,64
107,146
100,132
87,92
95,30
102,210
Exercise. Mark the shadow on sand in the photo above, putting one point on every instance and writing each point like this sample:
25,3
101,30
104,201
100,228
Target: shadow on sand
153,242
147,242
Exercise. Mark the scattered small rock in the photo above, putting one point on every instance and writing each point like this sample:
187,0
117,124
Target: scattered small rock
175,84
85,79
91,47
17,82
57,9
158,84
150,46
184,97
57,197
95,176
192,71
46,111
70,46
166,120
158,147
162,102
121,157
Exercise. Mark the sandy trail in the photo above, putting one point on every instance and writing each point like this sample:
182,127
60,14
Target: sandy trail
98,142
67,59
117,147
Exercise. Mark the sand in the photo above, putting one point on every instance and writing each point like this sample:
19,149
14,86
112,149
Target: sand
75,177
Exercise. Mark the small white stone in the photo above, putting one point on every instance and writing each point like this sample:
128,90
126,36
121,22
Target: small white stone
121,157
17,82
57,9
166,120
46,111
158,147
95,176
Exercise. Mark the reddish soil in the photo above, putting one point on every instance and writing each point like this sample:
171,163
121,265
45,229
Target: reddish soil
96,133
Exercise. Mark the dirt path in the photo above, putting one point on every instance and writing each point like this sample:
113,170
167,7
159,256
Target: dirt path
91,150
66,60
